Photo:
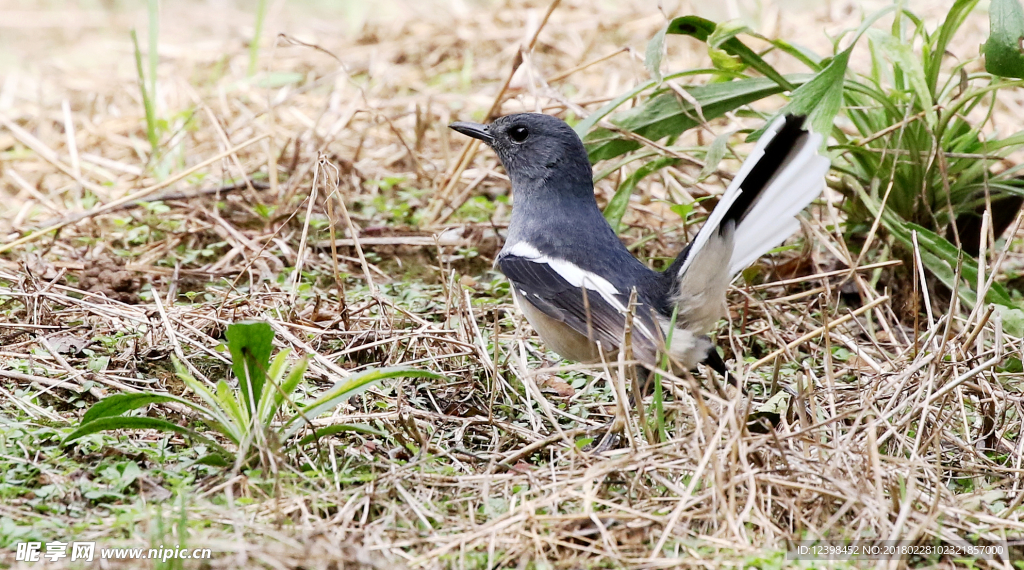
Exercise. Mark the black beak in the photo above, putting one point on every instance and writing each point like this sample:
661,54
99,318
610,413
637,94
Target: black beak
475,130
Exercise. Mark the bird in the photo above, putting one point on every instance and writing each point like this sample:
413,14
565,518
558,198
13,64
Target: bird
578,285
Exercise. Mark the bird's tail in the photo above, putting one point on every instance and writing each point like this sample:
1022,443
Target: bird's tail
782,175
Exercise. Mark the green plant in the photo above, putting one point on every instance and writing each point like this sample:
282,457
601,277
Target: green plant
254,45
916,162
148,87
246,415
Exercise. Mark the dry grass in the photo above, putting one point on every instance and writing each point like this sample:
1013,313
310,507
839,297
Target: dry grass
897,433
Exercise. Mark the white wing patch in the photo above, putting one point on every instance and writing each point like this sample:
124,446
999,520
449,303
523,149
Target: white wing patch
572,273
579,277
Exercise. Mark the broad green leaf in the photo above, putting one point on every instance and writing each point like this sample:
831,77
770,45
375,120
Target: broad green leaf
213,460
277,366
117,404
583,127
1002,51
716,152
120,422
725,31
655,51
615,166
777,404
349,388
1013,320
666,114
682,210
770,412
331,430
250,344
723,60
616,207
703,29
819,99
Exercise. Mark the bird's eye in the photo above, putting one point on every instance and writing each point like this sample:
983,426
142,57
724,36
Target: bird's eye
518,133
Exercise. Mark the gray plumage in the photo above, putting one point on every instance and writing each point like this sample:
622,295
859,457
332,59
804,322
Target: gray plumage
571,274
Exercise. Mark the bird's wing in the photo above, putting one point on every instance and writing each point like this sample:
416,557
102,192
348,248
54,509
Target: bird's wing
586,302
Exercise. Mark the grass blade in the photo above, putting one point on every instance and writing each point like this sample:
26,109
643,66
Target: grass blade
340,428
352,387
616,207
147,102
254,45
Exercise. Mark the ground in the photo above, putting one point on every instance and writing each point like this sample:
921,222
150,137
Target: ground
307,179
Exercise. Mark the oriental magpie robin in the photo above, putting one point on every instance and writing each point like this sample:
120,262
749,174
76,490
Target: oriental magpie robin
572,277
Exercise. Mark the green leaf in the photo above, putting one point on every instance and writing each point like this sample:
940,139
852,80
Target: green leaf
218,418
682,210
340,428
769,413
725,31
902,56
287,388
655,51
777,404
583,127
274,375
616,207
240,418
250,344
213,460
703,30
1003,49
723,60
349,388
941,257
938,256
120,422
716,152
1013,321
820,98
666,114
277,367
117,404
954,19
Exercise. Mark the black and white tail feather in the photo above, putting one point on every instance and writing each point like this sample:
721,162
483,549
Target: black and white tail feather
757,212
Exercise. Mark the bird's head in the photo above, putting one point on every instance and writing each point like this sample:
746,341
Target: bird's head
536,150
